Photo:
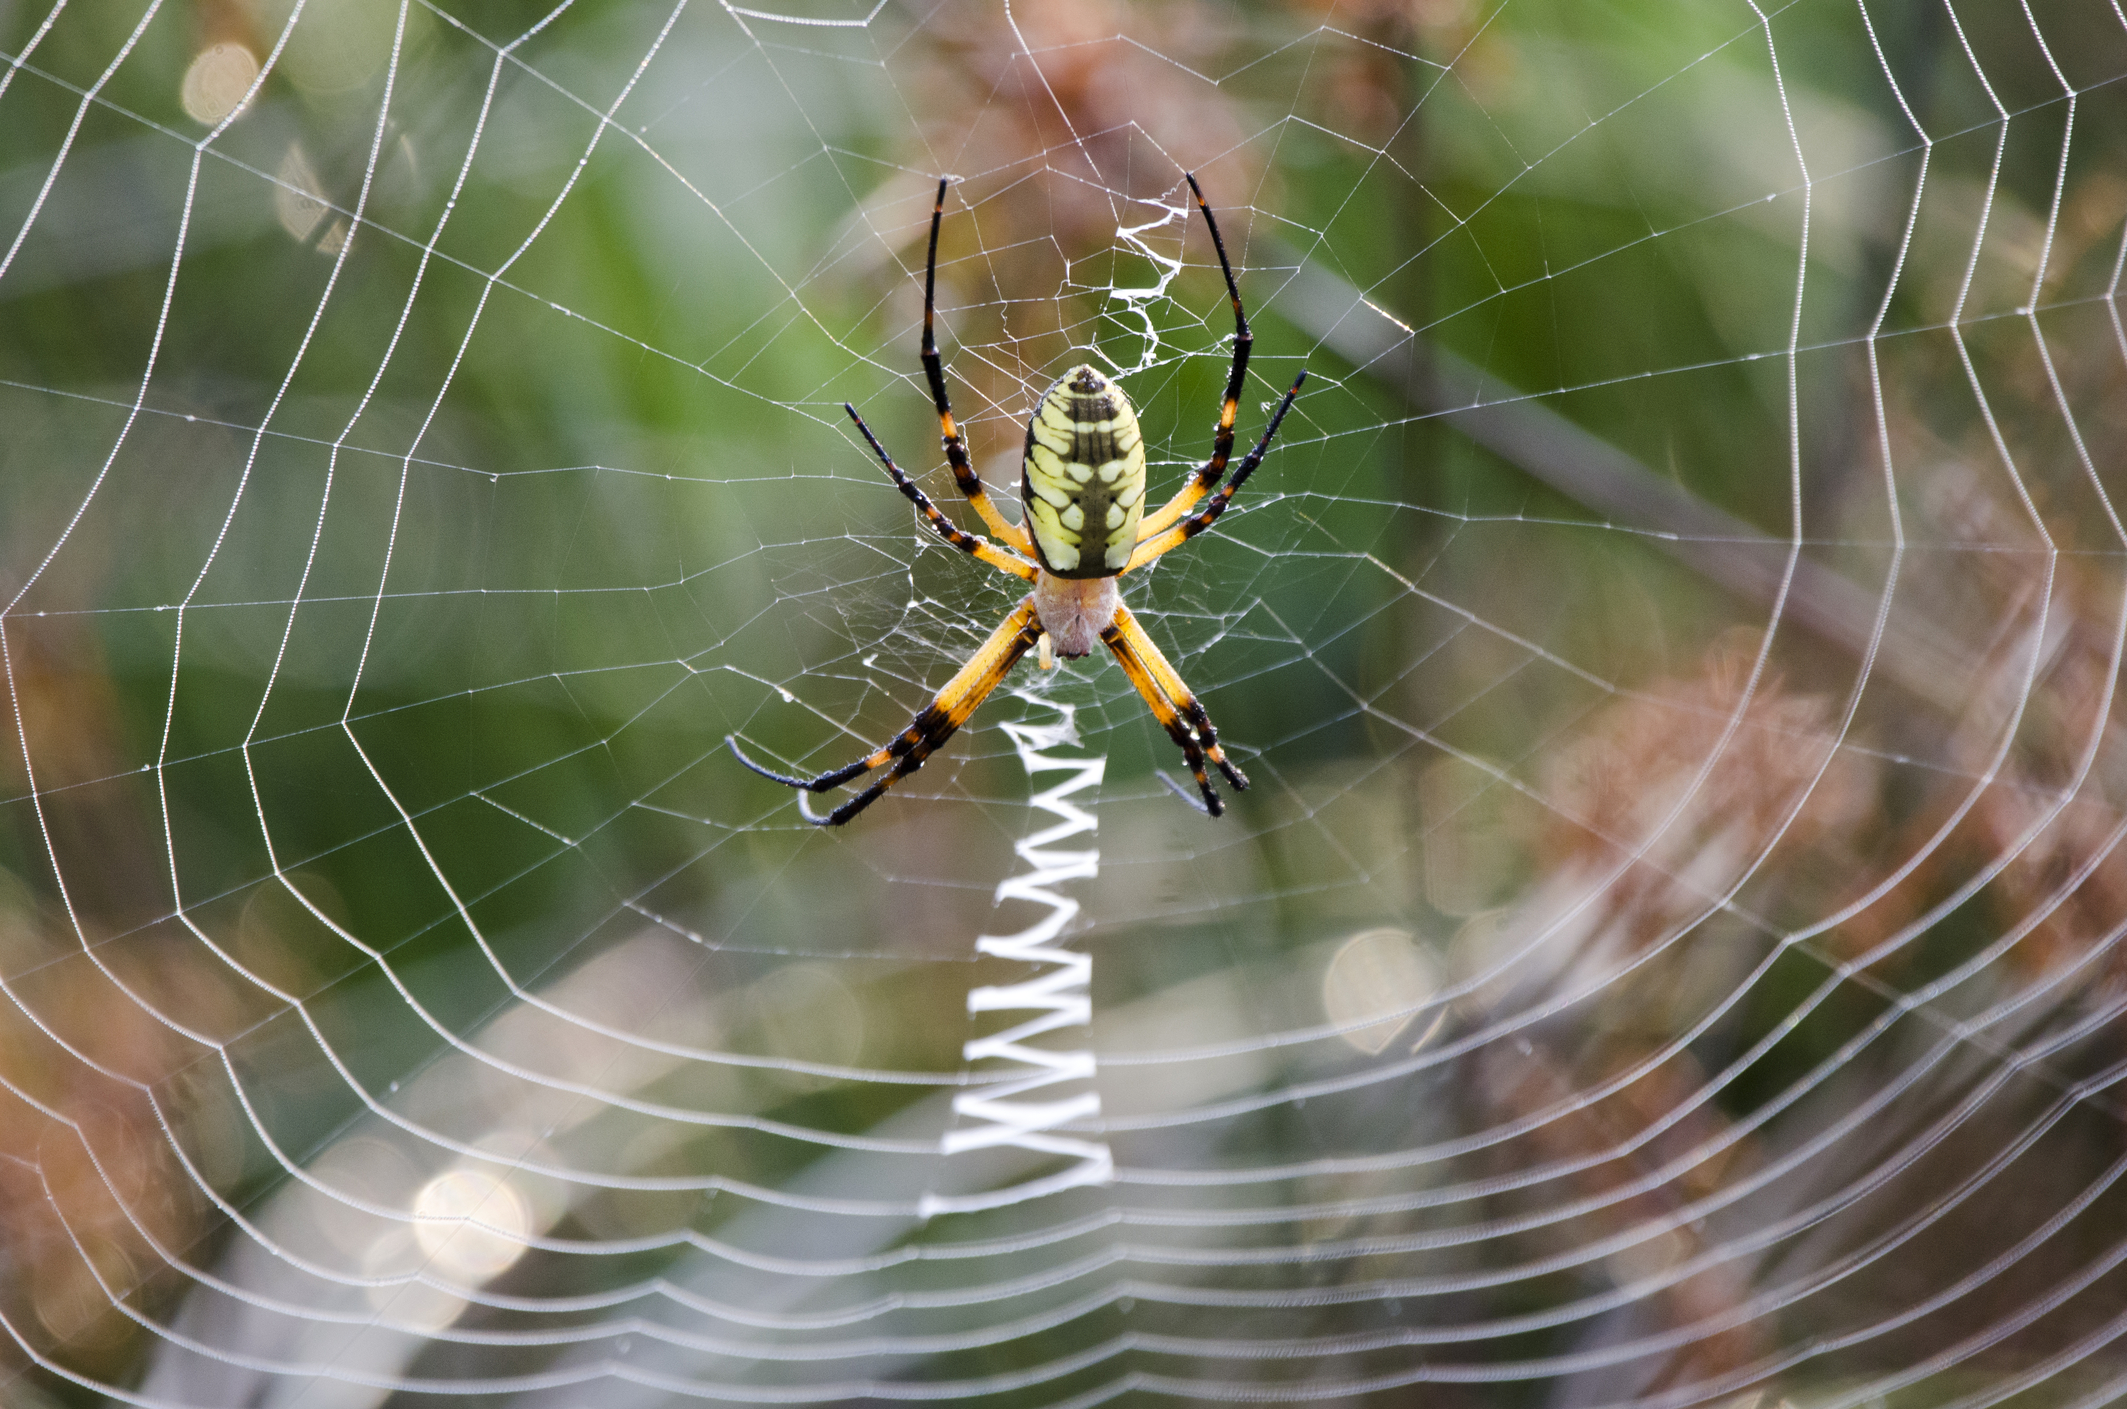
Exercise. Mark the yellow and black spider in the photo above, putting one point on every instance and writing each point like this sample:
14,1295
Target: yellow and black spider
1083,499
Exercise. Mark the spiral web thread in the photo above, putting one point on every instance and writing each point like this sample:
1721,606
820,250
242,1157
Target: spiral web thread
1669,953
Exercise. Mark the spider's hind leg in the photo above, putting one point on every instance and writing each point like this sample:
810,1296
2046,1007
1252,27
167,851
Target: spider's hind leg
1174,705
933,725
812,785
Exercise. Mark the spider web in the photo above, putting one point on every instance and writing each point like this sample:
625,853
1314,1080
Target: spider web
1669,953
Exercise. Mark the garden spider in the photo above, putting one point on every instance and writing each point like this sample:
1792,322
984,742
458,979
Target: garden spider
1083,525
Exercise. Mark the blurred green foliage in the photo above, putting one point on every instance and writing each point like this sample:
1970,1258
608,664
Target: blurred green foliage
407,491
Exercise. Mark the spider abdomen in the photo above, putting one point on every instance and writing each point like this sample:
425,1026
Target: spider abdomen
1083,476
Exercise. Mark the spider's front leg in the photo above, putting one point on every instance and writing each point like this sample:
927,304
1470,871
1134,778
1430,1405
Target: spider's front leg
1152,544
970,483
977,548
1206,478
932,726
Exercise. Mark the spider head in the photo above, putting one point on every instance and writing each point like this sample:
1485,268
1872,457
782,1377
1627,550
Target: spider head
1086,381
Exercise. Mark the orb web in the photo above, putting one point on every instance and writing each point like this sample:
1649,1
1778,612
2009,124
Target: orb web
1669,953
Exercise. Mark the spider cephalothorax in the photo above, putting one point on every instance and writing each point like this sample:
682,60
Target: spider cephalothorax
1082,492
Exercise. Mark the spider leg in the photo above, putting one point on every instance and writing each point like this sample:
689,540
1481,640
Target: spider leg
944,527
1201,483
1171,684
934,372
1175,537
1164,711
932,726
1173,704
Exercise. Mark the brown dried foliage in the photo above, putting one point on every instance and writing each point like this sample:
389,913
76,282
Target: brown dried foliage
1651,788
93,1199
2036,761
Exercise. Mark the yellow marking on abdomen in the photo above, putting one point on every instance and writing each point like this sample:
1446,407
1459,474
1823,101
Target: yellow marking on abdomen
1083,476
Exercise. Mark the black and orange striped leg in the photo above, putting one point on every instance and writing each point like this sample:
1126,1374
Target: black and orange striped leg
1151,547
941,525
934,372
1173,704
1171,683
1202,482
1164,711
932,726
